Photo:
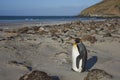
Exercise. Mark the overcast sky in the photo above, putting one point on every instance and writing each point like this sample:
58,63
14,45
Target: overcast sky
44,7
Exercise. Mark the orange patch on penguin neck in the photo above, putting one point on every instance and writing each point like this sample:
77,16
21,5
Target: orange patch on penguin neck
74,44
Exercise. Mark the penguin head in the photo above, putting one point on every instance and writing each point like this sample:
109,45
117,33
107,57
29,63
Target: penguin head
77,40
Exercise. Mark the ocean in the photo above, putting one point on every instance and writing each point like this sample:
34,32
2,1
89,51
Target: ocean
23,21
44,19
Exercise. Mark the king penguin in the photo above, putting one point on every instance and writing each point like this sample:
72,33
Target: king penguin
79,56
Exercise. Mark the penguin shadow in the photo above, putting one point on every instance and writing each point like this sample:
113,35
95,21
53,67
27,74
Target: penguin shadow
91,62
55,77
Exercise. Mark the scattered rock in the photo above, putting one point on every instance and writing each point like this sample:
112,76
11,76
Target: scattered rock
78,22
35,28
2,38
107,35
23,30
10,30
41,29
20,64
119,31
97,74
31,32
1,29
64,34
89,38
36,75
10,34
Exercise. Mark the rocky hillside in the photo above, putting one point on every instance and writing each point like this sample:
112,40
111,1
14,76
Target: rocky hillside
106,8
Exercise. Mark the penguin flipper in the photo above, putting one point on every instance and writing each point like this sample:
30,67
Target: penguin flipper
78,60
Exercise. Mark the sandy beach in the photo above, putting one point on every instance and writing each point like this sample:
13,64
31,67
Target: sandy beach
48,48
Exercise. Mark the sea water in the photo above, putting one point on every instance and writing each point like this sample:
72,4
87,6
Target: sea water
23,21
45,19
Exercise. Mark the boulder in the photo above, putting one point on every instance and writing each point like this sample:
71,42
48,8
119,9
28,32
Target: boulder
98,74
36,75
89,38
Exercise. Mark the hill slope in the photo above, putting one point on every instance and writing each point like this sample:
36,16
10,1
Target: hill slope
106,8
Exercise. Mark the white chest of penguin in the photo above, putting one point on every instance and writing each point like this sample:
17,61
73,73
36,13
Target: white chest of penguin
75,54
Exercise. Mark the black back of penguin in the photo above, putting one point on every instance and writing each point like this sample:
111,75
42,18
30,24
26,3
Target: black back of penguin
82,49
83,54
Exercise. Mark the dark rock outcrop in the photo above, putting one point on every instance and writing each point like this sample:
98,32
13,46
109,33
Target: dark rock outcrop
89,38
98,74
36,75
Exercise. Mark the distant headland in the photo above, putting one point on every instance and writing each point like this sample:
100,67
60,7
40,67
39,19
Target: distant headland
106,8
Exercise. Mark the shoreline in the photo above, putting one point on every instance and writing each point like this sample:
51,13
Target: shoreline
31,23
10,21
21,24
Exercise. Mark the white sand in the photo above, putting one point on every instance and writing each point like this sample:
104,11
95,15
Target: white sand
45,54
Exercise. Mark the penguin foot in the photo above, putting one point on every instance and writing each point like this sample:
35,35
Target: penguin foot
72,69
87,70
